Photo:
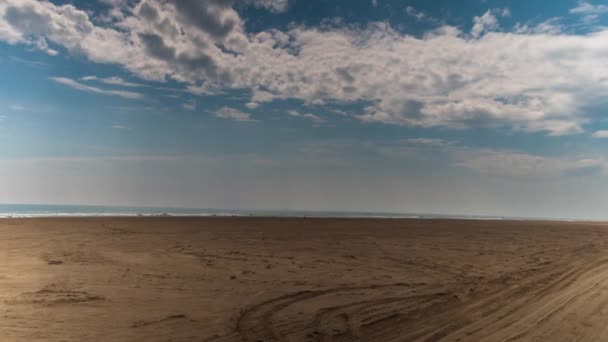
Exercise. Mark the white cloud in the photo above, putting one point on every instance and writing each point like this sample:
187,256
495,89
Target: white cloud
41,44
600,134
114,3
276,6
17,107
550,26
309,116
113,80
233,114
261,96
375,3
419,15
83,87
120,127
486,22
189,105
252,105
590,19
429,142
340,112
585,7
422,16
504,12
31,63
589,13
449,78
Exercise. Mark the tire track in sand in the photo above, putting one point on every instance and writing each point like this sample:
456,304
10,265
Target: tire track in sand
563,303
335,312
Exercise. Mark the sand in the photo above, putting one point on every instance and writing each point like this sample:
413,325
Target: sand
255,279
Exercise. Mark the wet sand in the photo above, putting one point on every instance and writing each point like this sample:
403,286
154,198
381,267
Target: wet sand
256,279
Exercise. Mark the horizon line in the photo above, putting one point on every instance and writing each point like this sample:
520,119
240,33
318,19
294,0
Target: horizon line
268,213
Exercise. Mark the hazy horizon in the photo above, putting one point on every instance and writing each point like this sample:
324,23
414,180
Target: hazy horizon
15,210
489,108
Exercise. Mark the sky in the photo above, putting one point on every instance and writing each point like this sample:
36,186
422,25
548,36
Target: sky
479,107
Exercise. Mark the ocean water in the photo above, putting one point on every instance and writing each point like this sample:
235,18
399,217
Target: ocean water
43,210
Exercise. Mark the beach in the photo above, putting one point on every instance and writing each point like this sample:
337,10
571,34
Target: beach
302,279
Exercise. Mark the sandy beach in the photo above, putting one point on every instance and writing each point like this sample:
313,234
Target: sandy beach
271,279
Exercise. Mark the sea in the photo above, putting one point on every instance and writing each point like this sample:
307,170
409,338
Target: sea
47,210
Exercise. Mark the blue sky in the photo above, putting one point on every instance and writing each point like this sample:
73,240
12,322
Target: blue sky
468,107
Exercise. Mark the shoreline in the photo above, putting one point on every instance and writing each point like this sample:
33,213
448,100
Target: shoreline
316,217
101,211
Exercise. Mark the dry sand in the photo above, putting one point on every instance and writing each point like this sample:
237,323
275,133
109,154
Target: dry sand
253,279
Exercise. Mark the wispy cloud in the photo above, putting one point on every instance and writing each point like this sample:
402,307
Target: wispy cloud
276,6
233,114
113,80
252,105
17,107
120,127
486,22
34,64
430,142
585,7
600,134
120,82
189,105
418,15
500,163
519,164
590,13
314,118
83,87
488,161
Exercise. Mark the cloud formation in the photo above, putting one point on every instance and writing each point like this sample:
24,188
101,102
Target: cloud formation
484,23
488,77
517,164
309,116
83,87
189,105
233,114
276,6
113,80
430,142
600,134
418,15
585,7
590,13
